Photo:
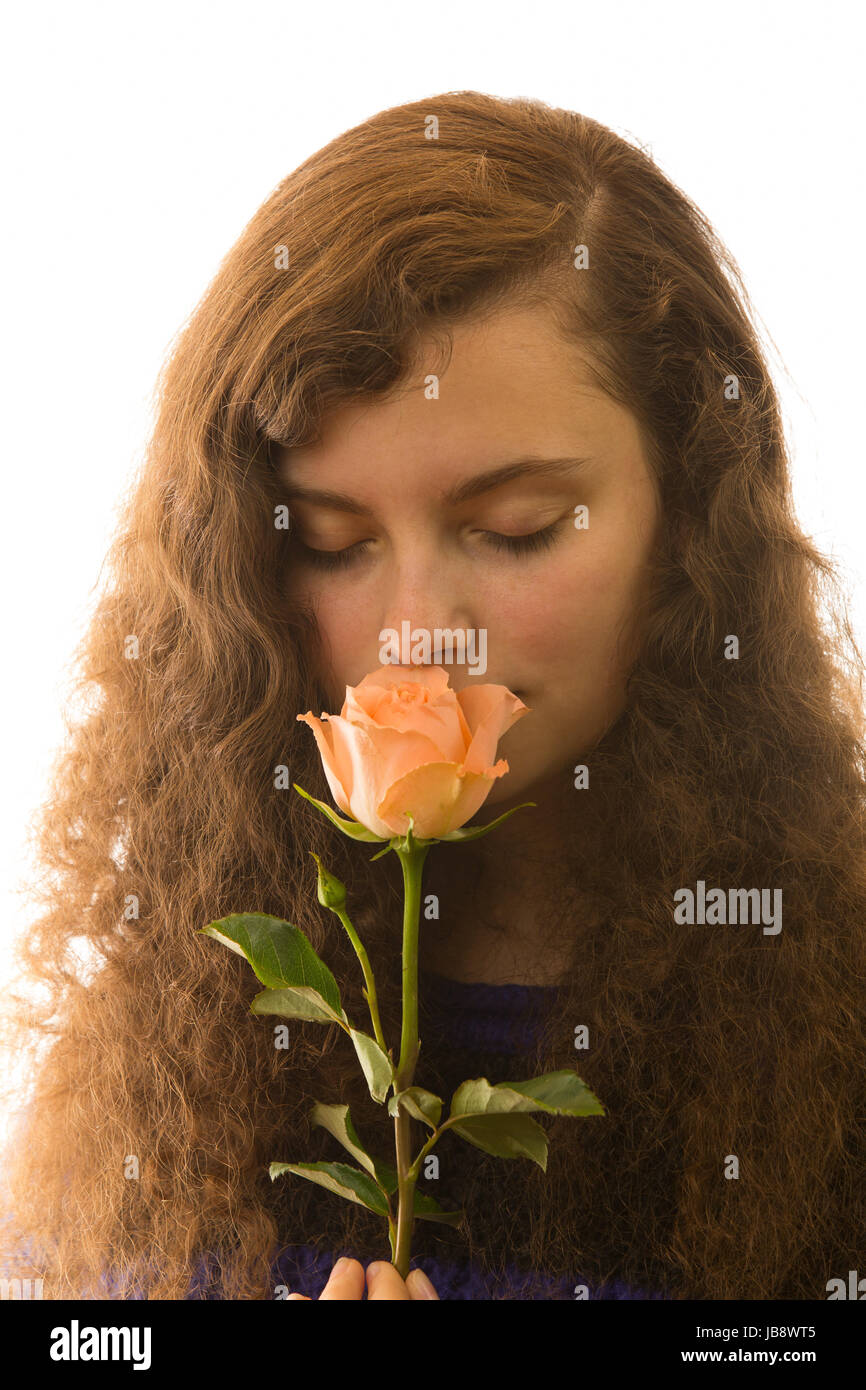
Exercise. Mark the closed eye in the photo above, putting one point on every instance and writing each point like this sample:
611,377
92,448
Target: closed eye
514,545
522,545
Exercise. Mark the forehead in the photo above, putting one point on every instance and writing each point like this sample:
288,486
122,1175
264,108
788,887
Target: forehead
511,388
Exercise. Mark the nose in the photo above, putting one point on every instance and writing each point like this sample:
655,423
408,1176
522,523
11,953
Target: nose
426,593
424,585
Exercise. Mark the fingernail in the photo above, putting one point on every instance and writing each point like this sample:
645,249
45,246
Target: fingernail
340,1265
423,1285
374,1269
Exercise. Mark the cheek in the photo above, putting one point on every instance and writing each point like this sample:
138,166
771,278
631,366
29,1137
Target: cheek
564,603
341,637
574,621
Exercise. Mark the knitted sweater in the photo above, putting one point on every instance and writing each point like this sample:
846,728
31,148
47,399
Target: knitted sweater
471,1021
474,1019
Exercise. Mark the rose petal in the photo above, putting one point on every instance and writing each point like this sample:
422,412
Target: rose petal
324,743
489,715
440,797
435,678
438,715
369,760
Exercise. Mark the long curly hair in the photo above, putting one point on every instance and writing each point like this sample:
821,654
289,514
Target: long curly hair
152,1101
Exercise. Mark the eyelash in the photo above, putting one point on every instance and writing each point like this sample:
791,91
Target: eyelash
513,545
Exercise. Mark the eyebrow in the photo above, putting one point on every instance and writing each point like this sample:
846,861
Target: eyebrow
471,487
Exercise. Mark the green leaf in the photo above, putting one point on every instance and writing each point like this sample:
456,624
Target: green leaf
298,1003
428,1209
425,1208
386,1174
337,1121
279,953
475,831
352,828
422,1105
495,1118
557,1092
505,1136
342,1178
376,1064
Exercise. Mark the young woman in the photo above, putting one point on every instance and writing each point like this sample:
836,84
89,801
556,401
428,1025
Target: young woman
525,365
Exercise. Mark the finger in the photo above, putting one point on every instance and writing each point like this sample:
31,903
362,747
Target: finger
383,1281
300,1295
419,1285
346,1281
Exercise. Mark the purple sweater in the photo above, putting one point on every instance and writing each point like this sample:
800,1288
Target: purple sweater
478,1018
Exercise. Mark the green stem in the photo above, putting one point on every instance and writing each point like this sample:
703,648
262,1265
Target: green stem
412,863
415,1169
372,998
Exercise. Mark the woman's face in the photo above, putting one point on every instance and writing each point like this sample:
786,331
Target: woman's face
557,618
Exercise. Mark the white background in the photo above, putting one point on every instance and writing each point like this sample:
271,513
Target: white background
140,139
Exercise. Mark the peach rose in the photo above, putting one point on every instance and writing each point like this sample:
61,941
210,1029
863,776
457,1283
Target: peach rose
405,743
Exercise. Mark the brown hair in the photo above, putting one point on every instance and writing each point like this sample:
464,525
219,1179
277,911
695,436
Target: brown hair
165,812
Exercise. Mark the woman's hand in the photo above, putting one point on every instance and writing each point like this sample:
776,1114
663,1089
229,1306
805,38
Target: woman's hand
383,1281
